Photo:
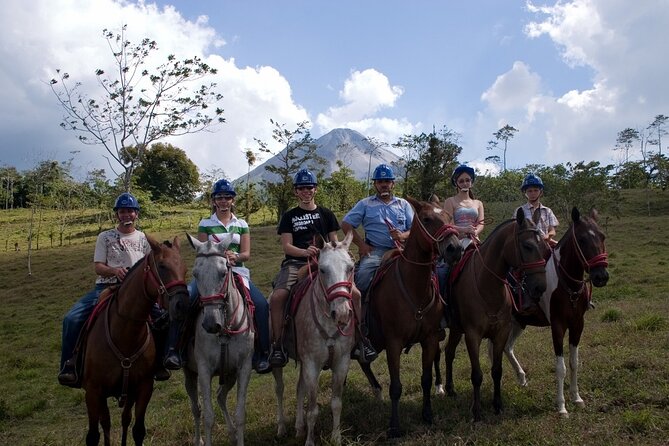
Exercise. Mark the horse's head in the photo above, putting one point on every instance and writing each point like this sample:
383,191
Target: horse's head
211,272
589,245
528,254
166,264
335,276
432,223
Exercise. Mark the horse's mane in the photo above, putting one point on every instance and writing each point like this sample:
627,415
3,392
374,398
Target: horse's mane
497,228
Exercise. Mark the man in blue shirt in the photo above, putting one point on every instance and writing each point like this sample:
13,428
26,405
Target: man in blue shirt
386,220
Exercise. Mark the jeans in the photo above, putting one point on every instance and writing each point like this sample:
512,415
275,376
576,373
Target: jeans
261,311
366,269
75,319
442,276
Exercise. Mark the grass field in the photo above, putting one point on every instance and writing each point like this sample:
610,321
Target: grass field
624,352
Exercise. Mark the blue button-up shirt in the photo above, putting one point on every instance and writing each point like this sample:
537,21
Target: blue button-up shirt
373,213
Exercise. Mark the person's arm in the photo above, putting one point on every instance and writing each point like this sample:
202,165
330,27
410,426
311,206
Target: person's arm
292,250
479,225
104,270
244,253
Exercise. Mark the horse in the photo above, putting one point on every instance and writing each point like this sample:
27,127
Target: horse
324,325
120,350
580,250
405,306
223,346
482,302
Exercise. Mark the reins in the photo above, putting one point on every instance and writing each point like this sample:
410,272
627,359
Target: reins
444,231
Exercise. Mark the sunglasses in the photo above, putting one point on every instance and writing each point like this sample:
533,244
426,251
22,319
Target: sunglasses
223,197
305,188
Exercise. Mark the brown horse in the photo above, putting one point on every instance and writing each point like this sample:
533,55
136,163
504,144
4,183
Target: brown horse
120,350
404,304
580,250
482,303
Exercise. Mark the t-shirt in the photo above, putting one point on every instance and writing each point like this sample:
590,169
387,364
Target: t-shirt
230,234
377,216
119,250
304,225
546,220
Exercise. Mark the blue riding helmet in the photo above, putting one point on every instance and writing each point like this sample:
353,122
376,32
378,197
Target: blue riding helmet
126,200
223,187
383,172
462,168
304,177
531,180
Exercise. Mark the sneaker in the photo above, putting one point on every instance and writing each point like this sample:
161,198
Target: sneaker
364,352
278,358
172,361
162,374
591,305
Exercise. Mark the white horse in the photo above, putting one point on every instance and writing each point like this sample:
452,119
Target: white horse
223,347
324,337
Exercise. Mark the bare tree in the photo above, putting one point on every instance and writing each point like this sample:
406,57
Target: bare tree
504,135
657,128
137,107
373,149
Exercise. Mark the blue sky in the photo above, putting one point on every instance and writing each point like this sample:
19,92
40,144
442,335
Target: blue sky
569,75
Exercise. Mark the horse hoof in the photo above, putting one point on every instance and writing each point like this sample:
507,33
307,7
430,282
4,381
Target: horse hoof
377,394
281,431
394,432
439,390
564,414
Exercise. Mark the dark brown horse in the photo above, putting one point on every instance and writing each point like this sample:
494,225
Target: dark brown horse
404,305
580,250
120,350
482,302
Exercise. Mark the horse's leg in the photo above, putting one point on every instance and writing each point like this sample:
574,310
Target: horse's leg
105,422
204,381
94,407
575,332
516,331
497,347
393,353
190,382
299,411
558,333
142,403
126,418
438,385
473,343
222,399
339,371
371,378
243,376
449,355
430,347
278,390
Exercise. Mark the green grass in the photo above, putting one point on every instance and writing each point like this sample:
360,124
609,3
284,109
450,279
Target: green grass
624,355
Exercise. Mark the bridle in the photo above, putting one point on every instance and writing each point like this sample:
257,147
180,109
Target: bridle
337,290
439,236
221,299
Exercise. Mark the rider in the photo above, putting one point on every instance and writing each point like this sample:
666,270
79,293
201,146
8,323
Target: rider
225,226
533,189
116,251
297,230
467,215
386,220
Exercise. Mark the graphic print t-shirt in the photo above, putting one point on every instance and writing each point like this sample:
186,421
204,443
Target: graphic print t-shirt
304,225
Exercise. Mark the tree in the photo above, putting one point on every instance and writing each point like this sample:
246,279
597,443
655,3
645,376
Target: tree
248,205
341,191
504,134
9,178
167,174
657,128
137,107
373,149
299,152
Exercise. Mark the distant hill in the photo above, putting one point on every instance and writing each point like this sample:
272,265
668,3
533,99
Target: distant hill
346,145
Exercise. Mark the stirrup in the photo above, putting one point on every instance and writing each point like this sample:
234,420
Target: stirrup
278,357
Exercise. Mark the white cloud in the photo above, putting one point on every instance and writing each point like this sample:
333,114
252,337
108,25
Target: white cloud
512,90
365,94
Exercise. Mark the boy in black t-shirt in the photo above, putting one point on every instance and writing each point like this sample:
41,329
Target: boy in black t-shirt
297,230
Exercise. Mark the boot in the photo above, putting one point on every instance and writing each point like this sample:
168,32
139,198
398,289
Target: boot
277,356
68,376
172,359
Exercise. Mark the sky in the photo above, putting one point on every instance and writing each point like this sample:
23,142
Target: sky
569,75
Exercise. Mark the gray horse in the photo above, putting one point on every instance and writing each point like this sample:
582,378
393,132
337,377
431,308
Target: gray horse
223,345
324,337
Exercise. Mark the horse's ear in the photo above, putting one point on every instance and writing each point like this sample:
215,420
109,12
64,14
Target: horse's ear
175,242
594,214
575,215
346,243
193,241
155,246
536,216
520,217
434,198
414,203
